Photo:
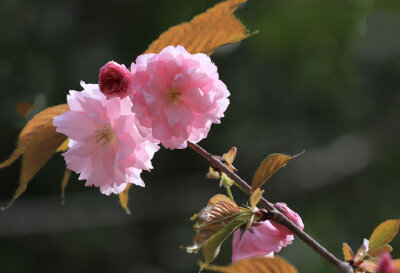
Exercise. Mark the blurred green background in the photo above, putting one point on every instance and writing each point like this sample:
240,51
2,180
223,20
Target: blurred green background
320,76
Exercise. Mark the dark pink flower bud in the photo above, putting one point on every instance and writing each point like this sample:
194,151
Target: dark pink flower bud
386,264
114,80
291,215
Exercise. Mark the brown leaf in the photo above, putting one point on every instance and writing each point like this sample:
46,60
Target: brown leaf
383,234
268,167
124,197
64,183
219,212
26,135
218,198
63,147
24,108
396,264
230,155
205,32
347,252
257,264
38,151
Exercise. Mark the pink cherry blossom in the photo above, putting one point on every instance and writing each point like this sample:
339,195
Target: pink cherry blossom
106,145
114,80
264,238
386,264
178,95
291,215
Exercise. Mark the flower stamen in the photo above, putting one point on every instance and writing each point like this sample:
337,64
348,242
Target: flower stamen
104,136
173,96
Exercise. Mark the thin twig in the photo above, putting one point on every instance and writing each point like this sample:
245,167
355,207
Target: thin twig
277,216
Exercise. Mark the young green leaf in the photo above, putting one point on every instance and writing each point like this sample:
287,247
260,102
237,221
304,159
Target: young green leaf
375,253
257,264
212,245
64,183
205,32
124,197
347,252
30,129
268,167
255,198
383,234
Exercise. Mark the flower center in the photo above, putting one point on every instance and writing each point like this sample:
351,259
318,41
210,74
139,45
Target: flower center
173,96
104,136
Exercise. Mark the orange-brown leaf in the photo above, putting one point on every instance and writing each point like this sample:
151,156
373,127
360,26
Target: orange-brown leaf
205,32
37,152
64,183
379,251
24,108
383,234
347,252
124,197
27,133
218,198
396,264
219,212
258,264
268,167
63,147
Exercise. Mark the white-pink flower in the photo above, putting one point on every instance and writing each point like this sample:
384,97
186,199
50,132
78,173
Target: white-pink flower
106,145
178,95
264,238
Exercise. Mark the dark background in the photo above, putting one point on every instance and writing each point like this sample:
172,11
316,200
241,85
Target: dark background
320,76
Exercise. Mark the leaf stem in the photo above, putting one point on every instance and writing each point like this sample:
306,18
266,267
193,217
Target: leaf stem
277,216
229,193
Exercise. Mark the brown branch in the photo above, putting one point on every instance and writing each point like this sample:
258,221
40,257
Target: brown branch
277,216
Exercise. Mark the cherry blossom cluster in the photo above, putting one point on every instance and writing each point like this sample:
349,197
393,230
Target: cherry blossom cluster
115,127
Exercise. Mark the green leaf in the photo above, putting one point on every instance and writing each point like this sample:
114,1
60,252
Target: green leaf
211,246
383,234
257,264
268,167
255,198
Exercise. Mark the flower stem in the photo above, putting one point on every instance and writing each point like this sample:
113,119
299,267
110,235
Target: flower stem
277,216
229,193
